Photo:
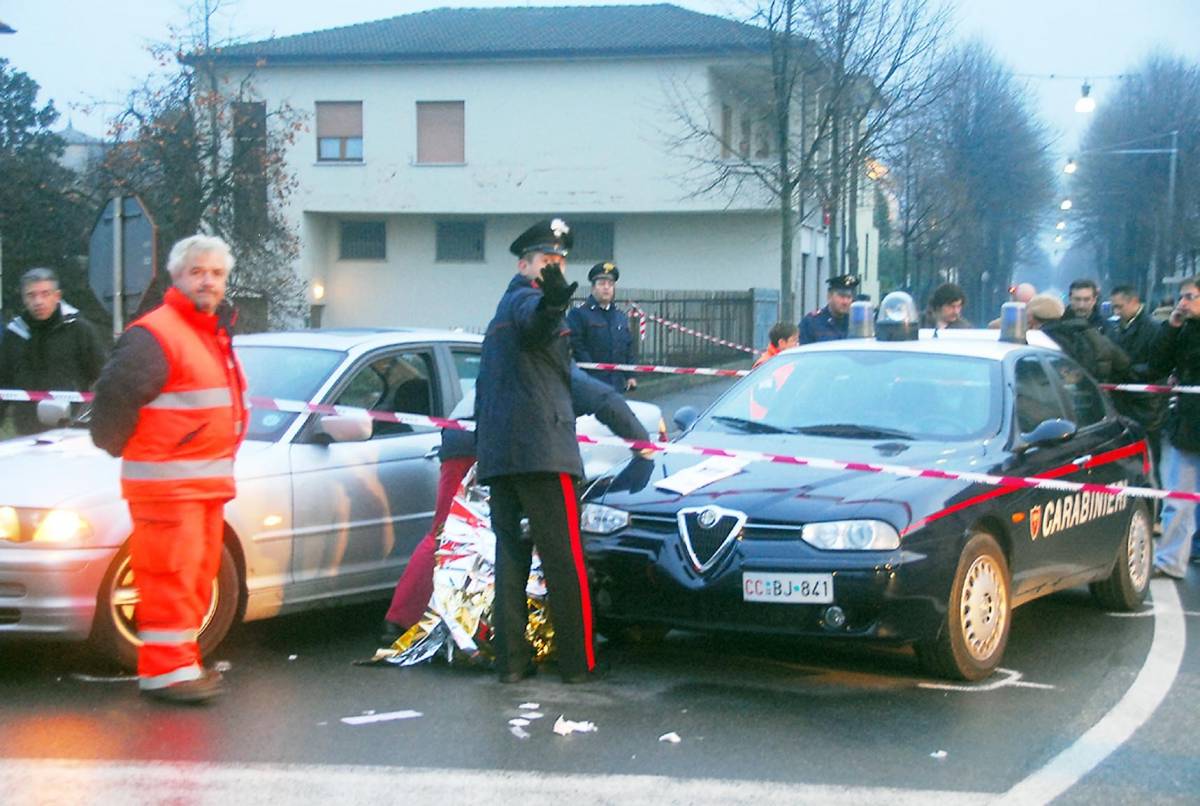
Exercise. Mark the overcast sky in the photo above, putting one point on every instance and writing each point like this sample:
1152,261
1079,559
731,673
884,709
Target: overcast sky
85,52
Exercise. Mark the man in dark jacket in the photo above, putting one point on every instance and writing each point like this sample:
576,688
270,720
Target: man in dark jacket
47,347
1084,297
1177,352
600,330
831,322
1104,361
1136,334
529,457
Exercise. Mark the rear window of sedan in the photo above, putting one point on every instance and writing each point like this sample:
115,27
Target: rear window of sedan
866,394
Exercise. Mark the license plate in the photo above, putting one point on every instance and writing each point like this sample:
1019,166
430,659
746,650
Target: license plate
760,586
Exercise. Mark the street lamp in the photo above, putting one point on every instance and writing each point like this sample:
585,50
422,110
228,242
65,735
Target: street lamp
1066,204
1086,102
1070,167
1058,239
1061,225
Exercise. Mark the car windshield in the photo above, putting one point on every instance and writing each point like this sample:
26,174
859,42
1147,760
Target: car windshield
865,395
282,373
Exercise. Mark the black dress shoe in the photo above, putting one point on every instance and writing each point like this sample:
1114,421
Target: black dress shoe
519,675
390,632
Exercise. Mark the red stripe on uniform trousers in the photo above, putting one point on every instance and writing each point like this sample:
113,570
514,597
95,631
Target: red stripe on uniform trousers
585,597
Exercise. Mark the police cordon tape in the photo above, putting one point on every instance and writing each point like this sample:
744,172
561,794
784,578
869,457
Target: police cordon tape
1139,388
658,320
1012,482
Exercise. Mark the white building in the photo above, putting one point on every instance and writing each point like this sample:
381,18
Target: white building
436,137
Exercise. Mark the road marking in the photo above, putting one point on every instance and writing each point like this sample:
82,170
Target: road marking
1003,678
1149,689
367,719
37,781
1150,612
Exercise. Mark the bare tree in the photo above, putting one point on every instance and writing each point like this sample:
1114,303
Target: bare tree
206,154
1138,215
976,181
834,78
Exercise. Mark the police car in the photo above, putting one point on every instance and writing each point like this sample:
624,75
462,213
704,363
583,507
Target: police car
937,562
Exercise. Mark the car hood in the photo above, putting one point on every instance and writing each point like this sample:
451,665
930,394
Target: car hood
62,467
779,493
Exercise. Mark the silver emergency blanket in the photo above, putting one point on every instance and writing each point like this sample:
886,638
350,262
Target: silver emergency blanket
457,624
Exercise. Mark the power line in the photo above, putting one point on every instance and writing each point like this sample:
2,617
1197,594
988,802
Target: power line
1064,77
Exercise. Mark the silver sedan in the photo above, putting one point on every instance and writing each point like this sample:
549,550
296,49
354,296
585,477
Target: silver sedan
329,506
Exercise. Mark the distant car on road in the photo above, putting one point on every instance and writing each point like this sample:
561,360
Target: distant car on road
684,541
329,506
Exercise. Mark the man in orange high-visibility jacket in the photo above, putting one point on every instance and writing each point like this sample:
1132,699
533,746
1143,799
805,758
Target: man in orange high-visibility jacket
170,404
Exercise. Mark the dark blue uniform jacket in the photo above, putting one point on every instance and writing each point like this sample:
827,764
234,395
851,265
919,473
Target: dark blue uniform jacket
525,421
602,337
821,325
588,396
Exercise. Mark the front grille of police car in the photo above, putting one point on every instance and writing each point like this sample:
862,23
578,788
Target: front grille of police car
753,530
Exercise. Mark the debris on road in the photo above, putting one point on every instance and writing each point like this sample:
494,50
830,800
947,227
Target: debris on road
671,737
938,754
564,726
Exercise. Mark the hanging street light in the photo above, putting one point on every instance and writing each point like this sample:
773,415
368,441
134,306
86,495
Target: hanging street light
1066,204
1058,239
1086,103
1061,225
1070,167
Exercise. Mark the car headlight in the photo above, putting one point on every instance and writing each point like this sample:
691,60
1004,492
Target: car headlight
45,526
601,520
10,524
851,536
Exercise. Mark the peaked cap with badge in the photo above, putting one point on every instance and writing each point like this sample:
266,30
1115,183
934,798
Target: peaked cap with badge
551,236
605,269
843,283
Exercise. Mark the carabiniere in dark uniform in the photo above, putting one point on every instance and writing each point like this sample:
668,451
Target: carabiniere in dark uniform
831,321
600,333
528,455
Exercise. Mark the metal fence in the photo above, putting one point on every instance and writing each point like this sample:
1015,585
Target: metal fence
727,315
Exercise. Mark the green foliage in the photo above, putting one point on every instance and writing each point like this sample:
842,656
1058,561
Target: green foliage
43,216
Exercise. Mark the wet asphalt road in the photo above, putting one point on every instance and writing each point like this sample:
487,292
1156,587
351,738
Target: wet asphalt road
751,710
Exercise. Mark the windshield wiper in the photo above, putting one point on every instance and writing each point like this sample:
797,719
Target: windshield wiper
752,426
852,430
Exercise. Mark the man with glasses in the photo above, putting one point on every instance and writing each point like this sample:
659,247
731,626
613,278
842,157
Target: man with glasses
1178,353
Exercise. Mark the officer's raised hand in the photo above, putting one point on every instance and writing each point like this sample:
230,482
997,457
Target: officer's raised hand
555,290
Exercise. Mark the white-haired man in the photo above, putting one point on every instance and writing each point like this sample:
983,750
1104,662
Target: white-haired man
170,403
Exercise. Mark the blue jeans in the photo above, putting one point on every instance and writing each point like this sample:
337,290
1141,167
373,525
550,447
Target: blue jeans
1180,471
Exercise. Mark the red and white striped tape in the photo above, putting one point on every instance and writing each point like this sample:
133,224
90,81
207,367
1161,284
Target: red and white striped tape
1151,388
684,329
723,373
1014,482
34,396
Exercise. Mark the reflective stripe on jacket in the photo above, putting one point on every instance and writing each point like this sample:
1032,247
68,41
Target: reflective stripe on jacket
185,440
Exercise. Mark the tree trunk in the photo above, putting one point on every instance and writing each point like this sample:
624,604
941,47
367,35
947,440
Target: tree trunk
852,174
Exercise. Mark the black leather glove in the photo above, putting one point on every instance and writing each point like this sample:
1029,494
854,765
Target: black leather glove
555,290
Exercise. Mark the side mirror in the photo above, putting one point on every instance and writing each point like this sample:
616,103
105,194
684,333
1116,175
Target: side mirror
685,417
54,413
353,427
1047,432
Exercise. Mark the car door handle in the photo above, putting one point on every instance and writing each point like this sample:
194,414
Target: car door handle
432,453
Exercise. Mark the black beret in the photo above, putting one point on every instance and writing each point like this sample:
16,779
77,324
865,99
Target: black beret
550,235
605,269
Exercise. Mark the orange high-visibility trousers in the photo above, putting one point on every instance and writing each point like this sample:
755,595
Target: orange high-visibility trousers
175,553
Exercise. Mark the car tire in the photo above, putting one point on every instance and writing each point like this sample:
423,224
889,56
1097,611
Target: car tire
114,632
1125,588
978,616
